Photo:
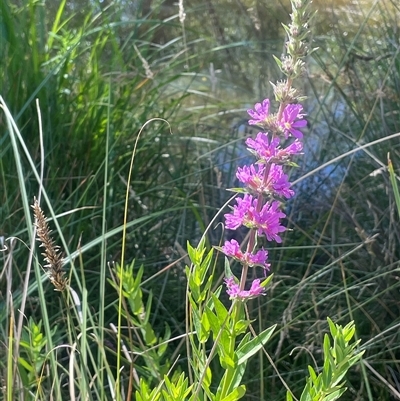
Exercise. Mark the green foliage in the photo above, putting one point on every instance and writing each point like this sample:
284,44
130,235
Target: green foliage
247,348
209,314
339,357
145,394
33,355
151,347
133,294
200,279
178,390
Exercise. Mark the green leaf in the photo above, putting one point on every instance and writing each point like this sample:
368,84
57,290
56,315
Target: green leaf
224,345
163,342
244,340
241,327
332,327
237,190
305,395
176,390
265,282
201,322
149,335
278,61
395,186
205,291
196,254
205,328
313,375
335,395
226,361
26,365
326,375
220,310
144,393
339,353
196,320
208,377
227,268
287,29
289,396
349,333
327,345
212,320
252,347
191,252
205,265
217,293
356,358
194,288
238,375
236,394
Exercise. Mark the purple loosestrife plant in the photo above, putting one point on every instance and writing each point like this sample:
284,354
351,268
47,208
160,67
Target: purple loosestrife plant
266,183
258,207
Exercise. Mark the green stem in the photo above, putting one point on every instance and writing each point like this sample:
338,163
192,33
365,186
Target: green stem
230,371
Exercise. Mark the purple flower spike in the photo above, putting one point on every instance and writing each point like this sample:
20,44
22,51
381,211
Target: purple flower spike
288,123
233,289
260,112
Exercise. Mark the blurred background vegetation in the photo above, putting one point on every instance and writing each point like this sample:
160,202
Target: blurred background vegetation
102,69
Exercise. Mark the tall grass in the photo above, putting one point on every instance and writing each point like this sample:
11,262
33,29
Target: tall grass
95,92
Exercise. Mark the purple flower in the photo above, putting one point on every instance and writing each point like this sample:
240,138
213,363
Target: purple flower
241,212
275,183
294,148
264,149
231,248
279,182
255,288
260,112
288,123
270,151
252,176
266,221
233,289
259,259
